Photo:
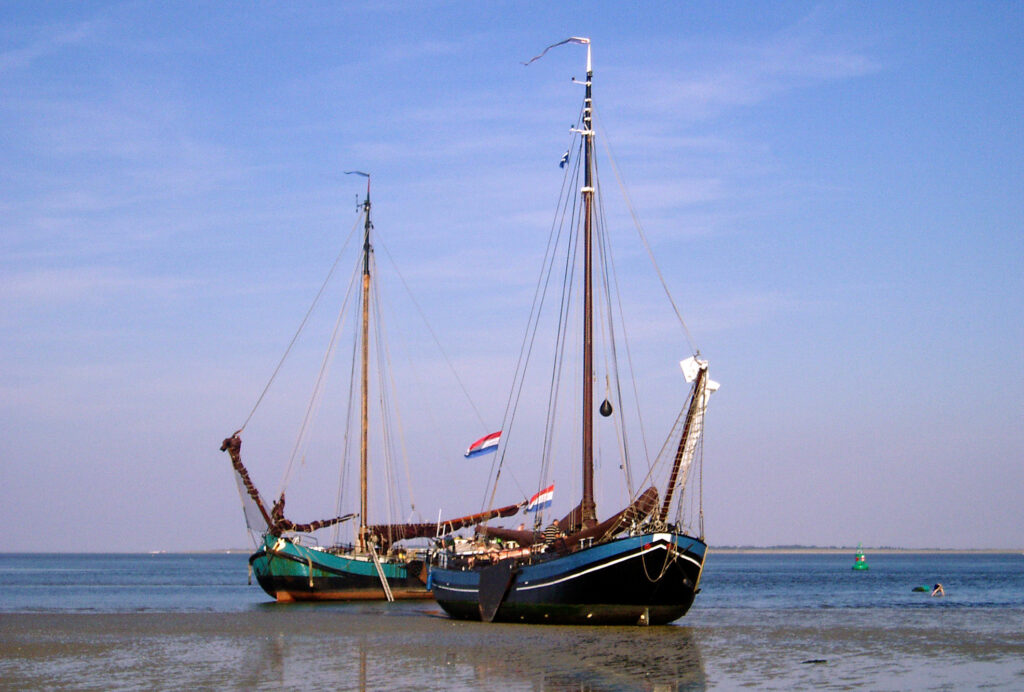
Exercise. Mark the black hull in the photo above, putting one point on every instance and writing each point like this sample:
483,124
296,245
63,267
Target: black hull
649,579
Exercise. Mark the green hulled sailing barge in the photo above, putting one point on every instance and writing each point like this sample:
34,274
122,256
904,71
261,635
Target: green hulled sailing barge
379,562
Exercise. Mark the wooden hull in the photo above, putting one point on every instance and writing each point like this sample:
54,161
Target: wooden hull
291,572
646,579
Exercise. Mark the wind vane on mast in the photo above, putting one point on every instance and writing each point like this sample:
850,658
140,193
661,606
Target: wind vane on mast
573,39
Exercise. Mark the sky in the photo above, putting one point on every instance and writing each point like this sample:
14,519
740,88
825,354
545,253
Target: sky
832,190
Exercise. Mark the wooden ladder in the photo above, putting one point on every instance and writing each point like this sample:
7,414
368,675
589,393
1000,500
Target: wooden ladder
380,573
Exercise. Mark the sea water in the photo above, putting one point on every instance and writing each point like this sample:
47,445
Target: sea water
761,582
771,621
125,583
774,581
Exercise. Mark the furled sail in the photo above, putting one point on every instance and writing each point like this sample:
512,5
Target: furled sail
390,533
637,511
634,514
252,503
386,534
695,371
254,507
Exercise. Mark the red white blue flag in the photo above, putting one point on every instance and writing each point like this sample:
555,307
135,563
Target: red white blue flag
485,445
542,499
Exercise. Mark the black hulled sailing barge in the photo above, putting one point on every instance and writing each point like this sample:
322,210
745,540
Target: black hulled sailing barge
289,563
637,566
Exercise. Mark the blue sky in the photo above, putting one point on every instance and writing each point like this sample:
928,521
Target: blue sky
833,191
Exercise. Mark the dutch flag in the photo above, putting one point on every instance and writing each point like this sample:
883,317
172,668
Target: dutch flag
541,500
485,445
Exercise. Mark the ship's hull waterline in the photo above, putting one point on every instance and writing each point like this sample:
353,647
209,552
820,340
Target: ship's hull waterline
646,579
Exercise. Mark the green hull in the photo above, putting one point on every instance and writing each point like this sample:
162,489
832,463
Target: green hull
291,572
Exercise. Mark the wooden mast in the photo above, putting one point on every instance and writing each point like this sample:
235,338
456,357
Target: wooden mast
588,507
364,380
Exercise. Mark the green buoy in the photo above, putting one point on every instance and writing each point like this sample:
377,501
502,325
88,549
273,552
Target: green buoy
859,562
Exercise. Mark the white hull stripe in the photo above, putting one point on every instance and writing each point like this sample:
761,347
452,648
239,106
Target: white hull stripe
600,567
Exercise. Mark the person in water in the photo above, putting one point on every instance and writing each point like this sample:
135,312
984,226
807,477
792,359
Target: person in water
937,590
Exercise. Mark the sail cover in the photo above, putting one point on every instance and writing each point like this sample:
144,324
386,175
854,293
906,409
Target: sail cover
635,513
257,518
389,533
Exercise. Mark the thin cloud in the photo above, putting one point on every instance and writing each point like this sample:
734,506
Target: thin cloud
743,75
23,58
78,285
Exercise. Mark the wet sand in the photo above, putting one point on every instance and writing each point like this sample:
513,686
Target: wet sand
414,647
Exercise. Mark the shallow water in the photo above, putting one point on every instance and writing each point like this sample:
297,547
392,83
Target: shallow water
762,621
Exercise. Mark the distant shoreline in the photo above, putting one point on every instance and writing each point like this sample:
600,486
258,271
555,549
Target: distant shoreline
725,550
865,549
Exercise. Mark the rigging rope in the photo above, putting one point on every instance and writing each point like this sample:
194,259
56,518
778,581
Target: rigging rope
302,325
437,342
386,463
607,260
318,385
700,489
392,392
668,444
558,362
391,430
349,412
529,338
643,238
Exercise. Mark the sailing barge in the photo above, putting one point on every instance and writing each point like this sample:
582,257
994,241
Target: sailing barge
638,566
290,564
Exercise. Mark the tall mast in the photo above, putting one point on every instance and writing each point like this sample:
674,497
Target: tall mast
364,409
588,507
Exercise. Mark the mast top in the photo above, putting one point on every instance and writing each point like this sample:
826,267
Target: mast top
367,224
586,42
367,176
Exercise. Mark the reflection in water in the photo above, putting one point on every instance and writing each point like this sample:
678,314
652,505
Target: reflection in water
363,646
403,647
384,647
415,649
534,657
339,647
